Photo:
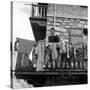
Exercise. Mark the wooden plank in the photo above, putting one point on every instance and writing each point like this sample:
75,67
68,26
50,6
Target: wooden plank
67,17
77,72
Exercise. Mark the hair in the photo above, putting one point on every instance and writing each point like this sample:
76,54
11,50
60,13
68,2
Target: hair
52,28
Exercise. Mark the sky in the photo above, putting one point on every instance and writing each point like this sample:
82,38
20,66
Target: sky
21,24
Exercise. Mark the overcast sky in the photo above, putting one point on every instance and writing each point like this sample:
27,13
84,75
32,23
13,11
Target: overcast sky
21,24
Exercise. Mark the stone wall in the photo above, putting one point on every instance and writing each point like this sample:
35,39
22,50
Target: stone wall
69,25
72,11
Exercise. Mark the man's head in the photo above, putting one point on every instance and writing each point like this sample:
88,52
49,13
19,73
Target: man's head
52,30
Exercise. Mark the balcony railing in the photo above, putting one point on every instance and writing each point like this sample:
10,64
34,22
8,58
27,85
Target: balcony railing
39,10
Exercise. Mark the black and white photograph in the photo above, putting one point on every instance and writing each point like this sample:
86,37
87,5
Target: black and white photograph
49,44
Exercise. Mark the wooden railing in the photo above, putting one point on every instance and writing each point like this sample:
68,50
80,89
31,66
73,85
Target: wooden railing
39,11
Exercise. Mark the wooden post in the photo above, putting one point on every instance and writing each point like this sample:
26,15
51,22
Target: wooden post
83,46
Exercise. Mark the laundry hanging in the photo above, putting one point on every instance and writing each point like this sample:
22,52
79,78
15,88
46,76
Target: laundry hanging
40,59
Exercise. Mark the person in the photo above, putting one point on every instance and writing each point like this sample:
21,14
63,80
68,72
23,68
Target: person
40,59
52,31
33,55
63,54
58,61
16,45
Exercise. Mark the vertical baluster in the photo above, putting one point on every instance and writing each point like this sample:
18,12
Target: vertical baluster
40,11
32,10
44,8
83,47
